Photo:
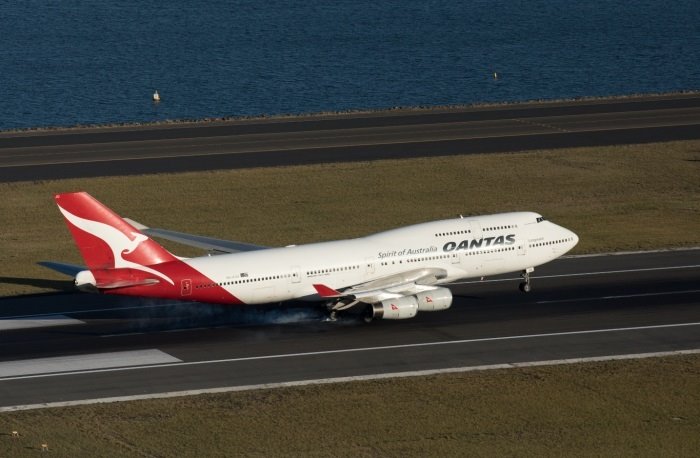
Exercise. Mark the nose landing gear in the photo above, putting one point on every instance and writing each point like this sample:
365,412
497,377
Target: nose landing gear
525,284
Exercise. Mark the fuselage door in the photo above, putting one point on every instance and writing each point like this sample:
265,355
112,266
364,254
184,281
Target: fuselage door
522,245
369,263
296,274
475,227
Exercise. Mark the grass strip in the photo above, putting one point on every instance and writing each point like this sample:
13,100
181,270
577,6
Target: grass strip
645,407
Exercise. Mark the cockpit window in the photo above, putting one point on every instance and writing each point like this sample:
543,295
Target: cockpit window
541,218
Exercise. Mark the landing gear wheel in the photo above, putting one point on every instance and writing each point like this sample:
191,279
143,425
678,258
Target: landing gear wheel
525,285
368,314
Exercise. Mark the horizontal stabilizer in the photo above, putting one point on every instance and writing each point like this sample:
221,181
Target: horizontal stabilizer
127,283
66,269
197,241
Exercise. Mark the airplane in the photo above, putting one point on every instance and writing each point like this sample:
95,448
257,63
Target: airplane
389,275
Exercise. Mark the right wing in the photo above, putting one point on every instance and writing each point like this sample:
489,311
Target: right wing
198,241
393,286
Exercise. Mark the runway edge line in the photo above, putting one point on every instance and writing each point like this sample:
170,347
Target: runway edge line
358,378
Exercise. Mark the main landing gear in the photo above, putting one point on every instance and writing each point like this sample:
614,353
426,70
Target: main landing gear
525,284
334,308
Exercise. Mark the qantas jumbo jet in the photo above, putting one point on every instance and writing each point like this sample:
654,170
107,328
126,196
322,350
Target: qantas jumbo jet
392,274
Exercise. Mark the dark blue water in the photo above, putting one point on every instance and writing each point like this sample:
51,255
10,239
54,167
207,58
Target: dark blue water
83,62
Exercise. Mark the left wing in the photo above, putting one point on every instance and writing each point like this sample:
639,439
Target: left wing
198,241
62,267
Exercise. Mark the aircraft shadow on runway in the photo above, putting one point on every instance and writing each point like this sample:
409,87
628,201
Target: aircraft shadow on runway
58,285
117,315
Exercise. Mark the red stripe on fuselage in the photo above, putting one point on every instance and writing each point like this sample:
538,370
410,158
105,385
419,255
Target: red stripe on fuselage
200,287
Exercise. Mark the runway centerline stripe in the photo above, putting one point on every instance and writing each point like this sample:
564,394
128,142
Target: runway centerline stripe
582,274
621,296
110,309
362,349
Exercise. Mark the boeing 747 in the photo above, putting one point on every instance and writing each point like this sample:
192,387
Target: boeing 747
391,275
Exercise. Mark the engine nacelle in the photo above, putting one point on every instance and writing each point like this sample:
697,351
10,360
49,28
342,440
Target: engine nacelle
394,309
436,299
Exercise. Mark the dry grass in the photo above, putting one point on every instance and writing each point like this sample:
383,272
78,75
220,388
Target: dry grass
615,198
624,408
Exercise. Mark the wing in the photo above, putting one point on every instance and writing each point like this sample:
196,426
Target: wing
392,286
198,241
62,267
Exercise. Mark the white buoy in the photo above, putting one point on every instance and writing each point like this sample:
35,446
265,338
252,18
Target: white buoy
156,96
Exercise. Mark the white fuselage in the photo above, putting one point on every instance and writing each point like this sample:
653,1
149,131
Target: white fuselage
464,247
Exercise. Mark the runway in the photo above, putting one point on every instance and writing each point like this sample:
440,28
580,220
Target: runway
90,152
580,307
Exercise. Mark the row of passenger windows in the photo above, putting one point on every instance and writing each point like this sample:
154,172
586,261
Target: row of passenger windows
332,269
553,242
245,280
494,250
486,229
431,258
442,234
499,228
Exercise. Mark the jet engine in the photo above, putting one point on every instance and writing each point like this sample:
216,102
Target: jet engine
393,309
408,306
433,300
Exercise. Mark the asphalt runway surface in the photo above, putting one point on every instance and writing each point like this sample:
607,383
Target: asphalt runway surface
89,152
71,346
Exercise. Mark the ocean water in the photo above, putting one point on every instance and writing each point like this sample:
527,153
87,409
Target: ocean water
93,62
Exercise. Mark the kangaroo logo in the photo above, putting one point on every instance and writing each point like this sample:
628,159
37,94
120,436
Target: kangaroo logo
134,243
118,242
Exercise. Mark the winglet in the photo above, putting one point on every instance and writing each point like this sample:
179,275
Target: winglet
325,291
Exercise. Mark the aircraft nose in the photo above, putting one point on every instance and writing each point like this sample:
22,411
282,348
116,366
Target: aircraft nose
574,238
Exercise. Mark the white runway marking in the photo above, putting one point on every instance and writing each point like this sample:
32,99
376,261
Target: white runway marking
580,274
179,363
625,253
622,296
80,363
109,309
37,321
453,370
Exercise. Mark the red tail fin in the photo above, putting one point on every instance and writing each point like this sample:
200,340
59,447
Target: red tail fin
104,239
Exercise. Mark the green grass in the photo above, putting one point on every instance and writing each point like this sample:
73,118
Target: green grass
616,198
625,408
